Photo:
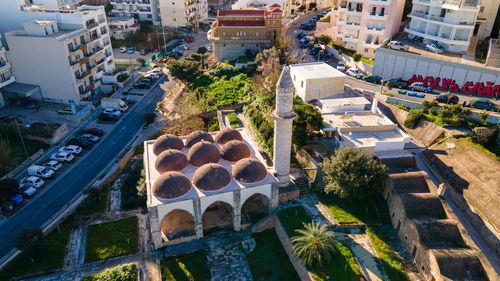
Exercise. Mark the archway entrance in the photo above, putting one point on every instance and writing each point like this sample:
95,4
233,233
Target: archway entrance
218,216
177,224
255,208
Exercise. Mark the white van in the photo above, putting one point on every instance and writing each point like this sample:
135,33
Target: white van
40,171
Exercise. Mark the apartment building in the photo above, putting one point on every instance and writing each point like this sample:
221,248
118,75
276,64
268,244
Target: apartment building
65,54
363,25
141,10
54,4
451,23
180,13
235,31
291,7
6,76
121,28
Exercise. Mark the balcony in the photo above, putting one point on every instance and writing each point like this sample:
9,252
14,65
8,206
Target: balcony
142,10
380,2
245,39
341,21
102,20
4,67
437,19
373,30
441,39
342,9
347,37
371,44
92,24
375,16
8,81
352,25
354,12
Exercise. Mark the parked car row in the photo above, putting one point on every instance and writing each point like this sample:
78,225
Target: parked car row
128,50
148,79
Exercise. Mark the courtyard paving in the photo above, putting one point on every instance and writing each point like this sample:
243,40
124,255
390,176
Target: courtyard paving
228,262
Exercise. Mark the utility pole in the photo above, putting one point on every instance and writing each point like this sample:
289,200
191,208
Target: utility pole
132,68
22,141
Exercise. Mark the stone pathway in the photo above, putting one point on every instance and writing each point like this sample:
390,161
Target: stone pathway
115,195
316,210
228,262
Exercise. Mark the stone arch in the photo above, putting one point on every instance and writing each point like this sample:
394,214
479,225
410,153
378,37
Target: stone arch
177,224
217,216
255,208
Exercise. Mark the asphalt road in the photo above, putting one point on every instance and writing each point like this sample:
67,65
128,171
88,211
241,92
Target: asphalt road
58,195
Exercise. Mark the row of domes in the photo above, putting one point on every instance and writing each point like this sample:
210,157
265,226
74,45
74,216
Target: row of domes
209,177
169,141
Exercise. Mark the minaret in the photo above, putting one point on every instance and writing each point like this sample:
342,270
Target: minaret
283,120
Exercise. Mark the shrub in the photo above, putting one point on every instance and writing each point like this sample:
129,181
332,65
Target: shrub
357,57
484,116
413,118
127,272
149,117
389,85
122,77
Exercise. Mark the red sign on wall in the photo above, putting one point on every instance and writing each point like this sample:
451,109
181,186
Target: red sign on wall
490,89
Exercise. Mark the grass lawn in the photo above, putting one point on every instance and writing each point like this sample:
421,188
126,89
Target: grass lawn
293,218
367,61
126,272
92,206
327,19
17,154
391,262
52,256
269,261
189,267
111,239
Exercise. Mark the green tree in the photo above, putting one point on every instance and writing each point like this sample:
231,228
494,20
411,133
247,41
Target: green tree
314,244
149,117
8,188
427,105
30,240
351,174
324,39
484,116
389,85
307,121
413,118
357,57
201,50
5,157
185,70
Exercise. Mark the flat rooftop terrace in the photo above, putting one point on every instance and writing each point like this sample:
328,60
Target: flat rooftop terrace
357,121
316,70
370,139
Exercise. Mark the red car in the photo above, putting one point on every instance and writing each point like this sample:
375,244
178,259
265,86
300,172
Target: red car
93,131
189,39
167,59
156,49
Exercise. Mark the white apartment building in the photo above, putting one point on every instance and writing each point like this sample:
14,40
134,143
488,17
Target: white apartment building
449,22
141,10
66,54
6,76
183,12
363,25
54,4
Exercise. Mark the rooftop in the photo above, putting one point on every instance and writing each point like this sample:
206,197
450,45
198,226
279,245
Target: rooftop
241,23
370,139
357,121
316,70
245,13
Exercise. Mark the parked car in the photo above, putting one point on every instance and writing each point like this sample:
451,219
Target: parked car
90,137
326,58
83,142
434,47
373,79
354,72
448,98
210,48
40,171
156,70
108,117
128,100
62,156
419,86
75,149
53,164
142,51
397,82
156,49
33,181
152,76
123,49
109,110
484,104
189,39
341,66
130,50
93,131
396,45
27,190
142,85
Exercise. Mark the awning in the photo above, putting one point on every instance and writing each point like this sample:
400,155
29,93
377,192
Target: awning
21,89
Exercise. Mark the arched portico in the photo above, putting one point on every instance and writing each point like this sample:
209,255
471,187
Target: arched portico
218,215
255,208
177,224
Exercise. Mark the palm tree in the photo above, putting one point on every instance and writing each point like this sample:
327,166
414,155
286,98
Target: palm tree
314,244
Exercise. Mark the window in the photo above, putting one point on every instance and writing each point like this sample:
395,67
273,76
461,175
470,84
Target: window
302,84
393,214
423,268
406,238
173,3
257,33
366,50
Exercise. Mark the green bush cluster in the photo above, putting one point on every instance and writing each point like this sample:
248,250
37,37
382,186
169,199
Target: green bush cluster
233,120
213,124
122,77
413,118
263,126
127,272
133,190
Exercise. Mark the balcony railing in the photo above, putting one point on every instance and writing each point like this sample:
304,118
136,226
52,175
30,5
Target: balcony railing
431,17
90,25
242,38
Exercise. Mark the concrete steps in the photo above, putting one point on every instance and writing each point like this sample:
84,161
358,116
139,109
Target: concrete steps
303,184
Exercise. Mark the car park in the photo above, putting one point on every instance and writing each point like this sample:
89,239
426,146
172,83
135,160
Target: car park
130,50
93,131
33,181
90,137
27,190
340,66
396,45
83,142
142,85
354,72
75,149
123,49
434,47
128,100
108,117
109,110
373,79
484,104
62,156
447,98
40,171
53,164
419,86
397,82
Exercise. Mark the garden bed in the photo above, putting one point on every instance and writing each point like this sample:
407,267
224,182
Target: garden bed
192,266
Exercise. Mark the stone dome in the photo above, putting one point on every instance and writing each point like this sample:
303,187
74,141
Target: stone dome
197,136
167,141
234,150
249,170
170,160
211,177
226,135
202,153
171,185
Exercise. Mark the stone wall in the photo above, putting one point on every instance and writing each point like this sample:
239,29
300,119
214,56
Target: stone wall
289,193
264,225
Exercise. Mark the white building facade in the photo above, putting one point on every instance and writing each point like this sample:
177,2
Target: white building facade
141,10
449,22
183,13
66,54
6,76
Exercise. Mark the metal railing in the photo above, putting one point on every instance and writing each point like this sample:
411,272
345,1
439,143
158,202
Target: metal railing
431,17
90,25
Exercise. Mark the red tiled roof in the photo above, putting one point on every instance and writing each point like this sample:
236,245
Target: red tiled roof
276,10
242,23
247,12
275,5
134,25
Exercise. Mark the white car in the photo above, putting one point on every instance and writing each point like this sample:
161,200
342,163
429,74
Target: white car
210,48
33,181
90,137
123,49
75,149
27,190
63,156
354,72
156,70
434,47
153,76
109,110
341,66
396,45
53,164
